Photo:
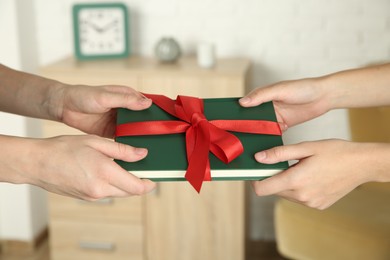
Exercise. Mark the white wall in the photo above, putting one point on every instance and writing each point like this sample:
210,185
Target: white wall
285,39
23,208
9,45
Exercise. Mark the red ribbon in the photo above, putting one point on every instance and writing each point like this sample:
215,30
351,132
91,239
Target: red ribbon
202,135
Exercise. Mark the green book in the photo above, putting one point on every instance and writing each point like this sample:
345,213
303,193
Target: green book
167,161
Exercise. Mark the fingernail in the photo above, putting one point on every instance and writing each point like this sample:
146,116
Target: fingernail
245,100
144,100
283,126
140,151
149,185
260,156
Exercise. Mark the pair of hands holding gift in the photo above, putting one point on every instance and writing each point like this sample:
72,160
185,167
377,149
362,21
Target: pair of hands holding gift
326,171
75,166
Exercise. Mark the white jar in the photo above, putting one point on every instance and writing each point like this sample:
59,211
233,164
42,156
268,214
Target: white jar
206,55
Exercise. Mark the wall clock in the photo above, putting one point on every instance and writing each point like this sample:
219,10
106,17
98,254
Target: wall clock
101,30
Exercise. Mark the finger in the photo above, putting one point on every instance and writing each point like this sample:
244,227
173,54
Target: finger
125,97
261,95
116,175
118,150
272,185
114,192
283,126
284,153
117,183
128,183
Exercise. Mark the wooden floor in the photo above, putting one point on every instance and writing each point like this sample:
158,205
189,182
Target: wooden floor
262,250
42,253
256,250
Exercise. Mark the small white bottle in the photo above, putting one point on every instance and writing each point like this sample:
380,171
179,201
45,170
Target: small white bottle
206,55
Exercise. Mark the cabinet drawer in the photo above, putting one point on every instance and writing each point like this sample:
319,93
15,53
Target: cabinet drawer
94,240
121,210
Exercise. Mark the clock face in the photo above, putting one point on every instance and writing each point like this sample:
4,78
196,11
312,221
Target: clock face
101,30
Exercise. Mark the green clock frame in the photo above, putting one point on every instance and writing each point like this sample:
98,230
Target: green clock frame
77,8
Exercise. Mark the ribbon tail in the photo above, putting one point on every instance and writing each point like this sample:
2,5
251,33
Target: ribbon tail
195,181
196,171
198,155
207,173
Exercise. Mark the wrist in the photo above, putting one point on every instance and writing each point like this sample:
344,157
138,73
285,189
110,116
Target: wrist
54,101
380,160
332,92
371,160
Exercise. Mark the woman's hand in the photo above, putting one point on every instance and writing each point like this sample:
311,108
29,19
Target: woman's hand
294,101
93,109
79,167
326,170
297,101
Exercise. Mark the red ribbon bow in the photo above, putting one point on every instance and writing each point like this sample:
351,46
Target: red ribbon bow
202,135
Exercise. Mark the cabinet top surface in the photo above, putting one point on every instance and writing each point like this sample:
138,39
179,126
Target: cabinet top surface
134,64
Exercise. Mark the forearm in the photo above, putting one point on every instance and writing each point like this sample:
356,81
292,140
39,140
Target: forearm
29,95
365,87
16,157
377,156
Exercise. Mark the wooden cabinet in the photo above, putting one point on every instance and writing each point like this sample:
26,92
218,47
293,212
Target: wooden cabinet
173,222
97,238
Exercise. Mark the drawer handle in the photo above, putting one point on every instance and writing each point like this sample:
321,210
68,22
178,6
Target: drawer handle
103,246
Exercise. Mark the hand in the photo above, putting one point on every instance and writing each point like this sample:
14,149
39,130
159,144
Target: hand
326,171
294,101
93,109
82,167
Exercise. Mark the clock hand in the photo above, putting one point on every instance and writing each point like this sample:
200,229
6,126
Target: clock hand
108,26
95,27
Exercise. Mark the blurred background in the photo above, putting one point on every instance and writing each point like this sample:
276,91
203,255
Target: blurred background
283,39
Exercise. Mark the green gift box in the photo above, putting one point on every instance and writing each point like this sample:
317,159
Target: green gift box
167,155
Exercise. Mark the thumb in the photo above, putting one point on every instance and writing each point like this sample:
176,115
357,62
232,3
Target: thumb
284,153
261,95
126,97
118,150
